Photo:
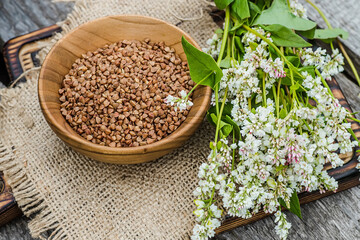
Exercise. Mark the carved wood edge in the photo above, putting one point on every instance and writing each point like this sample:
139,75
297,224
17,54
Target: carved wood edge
14,65
12,48
347,175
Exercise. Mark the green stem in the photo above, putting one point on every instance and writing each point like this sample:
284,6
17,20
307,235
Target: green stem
320,12
288,3
352,133
276,101
212,196
354,119
283,100
220,115
222,49
264,90
278,93
348,59
353,69
233,46
327,86
270,44
307,125
202,80
324,83
228,52
292,84
233,154
225,36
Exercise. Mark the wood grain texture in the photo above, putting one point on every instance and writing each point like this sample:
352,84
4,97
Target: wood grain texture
12,49
19,17
8,206
101,31
347,175
333,217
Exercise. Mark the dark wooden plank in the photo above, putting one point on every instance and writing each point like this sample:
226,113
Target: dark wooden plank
334,217
347,175
18,17
12,47
8,207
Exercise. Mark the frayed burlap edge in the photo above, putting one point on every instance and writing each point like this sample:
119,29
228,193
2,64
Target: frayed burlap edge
29,199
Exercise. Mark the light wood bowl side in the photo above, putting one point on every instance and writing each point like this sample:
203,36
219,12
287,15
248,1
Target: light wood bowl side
89,37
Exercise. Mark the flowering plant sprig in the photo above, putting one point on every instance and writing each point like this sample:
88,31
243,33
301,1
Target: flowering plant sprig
277,122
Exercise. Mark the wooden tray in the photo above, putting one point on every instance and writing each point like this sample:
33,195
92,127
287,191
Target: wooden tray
19,54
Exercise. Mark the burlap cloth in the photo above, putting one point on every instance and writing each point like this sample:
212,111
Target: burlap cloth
79,198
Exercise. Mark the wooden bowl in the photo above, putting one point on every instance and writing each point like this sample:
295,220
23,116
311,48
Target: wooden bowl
89,37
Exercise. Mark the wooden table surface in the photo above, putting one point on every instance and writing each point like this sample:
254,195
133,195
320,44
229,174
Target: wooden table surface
334,217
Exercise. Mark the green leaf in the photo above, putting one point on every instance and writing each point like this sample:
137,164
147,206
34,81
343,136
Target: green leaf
237,25
226,62
224,127
283,36
263,3
330,33
201,65
295,60
287,80
219,32
239,44
208,117
241,9
294,204
282,203
308,33
273,53
254,7
282,114
295,87
226,111
253,45
222,4
236,127
279,13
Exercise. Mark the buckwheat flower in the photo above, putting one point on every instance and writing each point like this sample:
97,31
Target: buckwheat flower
250,37
328,65
334,65
215,211
282,227
314,58
273,68
298,9
199,203
200,214
214,45
180,104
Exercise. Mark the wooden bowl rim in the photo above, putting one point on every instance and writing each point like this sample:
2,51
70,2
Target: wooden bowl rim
93,147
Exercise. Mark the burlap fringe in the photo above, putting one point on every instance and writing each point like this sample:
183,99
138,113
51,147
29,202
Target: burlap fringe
28,197
30,200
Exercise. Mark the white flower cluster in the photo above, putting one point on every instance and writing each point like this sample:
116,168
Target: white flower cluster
282,227
298,9
214,45
242,80
207,212
180,104
328,65
275,156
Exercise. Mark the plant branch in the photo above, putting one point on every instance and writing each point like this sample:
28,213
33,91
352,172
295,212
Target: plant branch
220,115
338,41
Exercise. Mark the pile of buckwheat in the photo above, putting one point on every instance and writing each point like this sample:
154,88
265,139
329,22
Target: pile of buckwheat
115,95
